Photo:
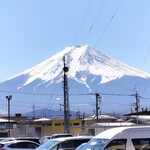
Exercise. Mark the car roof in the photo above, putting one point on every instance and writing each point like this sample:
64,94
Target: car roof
18,141
61,134
109,133
57,134
71,138
34,139
11,138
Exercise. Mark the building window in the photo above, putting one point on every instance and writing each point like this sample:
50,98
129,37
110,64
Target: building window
49,124
76,124
57,124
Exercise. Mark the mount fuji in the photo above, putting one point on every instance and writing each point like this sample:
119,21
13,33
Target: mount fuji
90,71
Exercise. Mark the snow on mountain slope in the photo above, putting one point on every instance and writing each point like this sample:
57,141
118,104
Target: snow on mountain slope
89,71
81,59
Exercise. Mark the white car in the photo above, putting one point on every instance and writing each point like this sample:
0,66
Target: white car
121,138
33,139
69,143
44,139
18,145
80,146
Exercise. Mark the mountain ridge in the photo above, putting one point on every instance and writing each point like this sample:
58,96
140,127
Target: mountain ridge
54,65
90,71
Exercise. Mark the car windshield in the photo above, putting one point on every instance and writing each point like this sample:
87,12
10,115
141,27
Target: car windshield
80,146
94,144
47,145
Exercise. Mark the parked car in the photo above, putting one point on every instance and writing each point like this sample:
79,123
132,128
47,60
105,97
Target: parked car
33,139
53,136
121,138
44,139
80,146
18,145
64,143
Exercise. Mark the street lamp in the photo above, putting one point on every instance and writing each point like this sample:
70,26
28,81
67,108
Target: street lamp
9,98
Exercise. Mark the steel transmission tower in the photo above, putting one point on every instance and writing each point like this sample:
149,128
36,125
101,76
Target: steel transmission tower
66,99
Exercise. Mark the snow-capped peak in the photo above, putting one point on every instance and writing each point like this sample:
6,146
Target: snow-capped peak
89,71
84,60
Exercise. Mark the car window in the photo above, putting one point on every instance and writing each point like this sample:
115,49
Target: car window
143,144
80,146
67,145
23,145
47,145
49,137
29,139
79,142
95,144
14,145
71,144
1,145
119,144
31,145
54,148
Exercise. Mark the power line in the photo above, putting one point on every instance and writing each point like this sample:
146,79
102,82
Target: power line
83,22
145,98
71,94
99,11
26,104
30,93
109,94
109,22
146,54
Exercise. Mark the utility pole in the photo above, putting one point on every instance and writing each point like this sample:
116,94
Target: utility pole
8,99
83,122
97,105
66,99
137,104
33,117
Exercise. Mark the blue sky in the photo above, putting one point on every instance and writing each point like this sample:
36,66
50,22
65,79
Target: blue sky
33,30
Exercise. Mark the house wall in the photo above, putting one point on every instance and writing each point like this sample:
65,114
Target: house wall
57,126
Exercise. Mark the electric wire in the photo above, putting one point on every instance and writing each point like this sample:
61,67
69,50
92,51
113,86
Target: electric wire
106,27
56,107
145,98
78,33
146,54
51,100
108,24
137,79
26,104
71,94
91,27
84,21
29,93
100,9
